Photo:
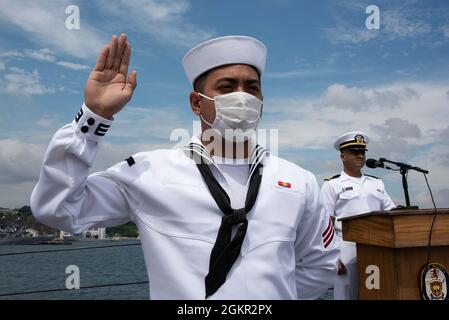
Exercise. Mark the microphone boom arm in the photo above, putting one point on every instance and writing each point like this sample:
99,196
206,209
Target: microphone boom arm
403,169
404,166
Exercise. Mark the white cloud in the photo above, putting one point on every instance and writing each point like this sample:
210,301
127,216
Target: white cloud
444,135
164,20
344,33
2,65
41,54
445,30
47,122
21,82
310,123
50,56
301,73
396,137
362,99
73,66
160,11
16,195
396,127
395,23
434,159
399,24
441,198
44,54
333,57
343,97
11,54
44,21
415,131
19,161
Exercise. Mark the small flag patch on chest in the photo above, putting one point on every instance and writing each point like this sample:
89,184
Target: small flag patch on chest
284,184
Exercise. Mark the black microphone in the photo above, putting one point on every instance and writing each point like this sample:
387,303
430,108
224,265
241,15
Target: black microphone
373,163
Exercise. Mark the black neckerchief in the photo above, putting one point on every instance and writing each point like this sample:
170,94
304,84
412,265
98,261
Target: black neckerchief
227,248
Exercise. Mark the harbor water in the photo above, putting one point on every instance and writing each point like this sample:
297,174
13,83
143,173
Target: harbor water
97,267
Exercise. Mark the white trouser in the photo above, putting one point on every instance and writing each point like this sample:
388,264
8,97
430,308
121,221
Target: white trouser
346,286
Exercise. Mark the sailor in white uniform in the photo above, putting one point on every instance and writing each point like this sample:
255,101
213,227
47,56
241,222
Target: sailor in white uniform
349,193
209,228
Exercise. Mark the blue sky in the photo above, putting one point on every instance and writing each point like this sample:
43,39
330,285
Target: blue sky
326,74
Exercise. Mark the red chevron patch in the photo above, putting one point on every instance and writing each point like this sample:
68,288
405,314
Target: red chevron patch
328,234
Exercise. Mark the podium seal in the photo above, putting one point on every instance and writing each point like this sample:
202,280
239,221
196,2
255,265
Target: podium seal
433,282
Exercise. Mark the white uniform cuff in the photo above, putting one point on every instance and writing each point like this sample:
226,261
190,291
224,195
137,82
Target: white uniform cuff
90,125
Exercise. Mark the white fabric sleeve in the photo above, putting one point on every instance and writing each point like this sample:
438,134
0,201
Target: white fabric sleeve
387,203
328,199
65,197
316,249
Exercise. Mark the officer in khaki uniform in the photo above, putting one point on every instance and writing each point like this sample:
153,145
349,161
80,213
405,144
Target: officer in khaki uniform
349,193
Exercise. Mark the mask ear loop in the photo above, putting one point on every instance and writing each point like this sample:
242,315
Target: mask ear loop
204,96
201,116
209,98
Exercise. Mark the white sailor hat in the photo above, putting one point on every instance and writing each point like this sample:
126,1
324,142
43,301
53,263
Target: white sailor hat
222,51
352,140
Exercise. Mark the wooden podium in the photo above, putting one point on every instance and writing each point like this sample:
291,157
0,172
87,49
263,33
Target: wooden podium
397,242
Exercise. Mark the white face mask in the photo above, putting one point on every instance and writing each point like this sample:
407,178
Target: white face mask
237,115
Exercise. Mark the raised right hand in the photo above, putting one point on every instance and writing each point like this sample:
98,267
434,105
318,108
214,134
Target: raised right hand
109,87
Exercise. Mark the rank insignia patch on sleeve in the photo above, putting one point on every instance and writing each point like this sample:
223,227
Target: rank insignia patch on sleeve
328,234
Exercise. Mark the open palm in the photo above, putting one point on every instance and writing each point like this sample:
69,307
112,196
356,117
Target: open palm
109,87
